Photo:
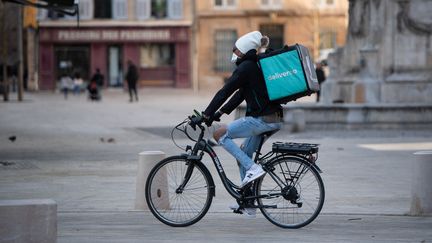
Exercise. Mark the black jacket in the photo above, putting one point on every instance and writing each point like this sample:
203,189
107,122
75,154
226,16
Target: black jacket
248,81
132,74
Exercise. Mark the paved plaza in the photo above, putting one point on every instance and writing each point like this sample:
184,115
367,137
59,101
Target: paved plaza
84,156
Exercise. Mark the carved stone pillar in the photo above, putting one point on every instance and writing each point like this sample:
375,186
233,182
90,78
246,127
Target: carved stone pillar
367,88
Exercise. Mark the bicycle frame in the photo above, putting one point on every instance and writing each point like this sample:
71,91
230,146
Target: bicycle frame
283,187
201,145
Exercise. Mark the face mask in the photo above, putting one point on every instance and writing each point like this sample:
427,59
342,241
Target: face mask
234,58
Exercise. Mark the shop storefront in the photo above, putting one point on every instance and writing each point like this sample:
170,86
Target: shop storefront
160,53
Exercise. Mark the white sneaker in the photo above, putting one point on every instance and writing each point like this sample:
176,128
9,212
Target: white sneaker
252,174
234,206
249,213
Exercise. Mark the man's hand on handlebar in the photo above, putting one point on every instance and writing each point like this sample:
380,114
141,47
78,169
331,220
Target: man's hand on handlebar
195,121
211,119
199,118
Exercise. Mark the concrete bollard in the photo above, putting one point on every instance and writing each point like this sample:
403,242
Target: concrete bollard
421,203
33,220
298,120
147,160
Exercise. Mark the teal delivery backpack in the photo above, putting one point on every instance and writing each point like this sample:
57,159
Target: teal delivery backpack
289,73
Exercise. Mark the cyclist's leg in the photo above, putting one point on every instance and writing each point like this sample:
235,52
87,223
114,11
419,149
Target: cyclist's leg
249,146
243,128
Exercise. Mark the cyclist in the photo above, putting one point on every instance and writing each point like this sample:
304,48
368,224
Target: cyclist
261,114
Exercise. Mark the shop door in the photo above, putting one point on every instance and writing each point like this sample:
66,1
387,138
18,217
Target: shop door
115,67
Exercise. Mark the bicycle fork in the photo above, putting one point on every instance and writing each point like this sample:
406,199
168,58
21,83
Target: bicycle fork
186,178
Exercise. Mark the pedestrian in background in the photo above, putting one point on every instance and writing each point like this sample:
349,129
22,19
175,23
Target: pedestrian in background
66,83
132,79
98,79
77,82
320,76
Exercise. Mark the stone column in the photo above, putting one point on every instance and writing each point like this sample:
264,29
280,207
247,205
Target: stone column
421,203
147,160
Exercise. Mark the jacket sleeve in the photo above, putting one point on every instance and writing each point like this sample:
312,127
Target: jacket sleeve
234,83
235,101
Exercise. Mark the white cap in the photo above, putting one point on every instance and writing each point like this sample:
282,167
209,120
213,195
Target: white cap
249,41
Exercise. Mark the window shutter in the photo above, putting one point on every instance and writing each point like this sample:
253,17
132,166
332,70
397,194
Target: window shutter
119,9
86,9
42,14
175,9
277,2
230,3
143,9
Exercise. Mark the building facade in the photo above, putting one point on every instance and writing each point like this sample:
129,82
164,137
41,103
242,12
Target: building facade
153,34
178,43
318,24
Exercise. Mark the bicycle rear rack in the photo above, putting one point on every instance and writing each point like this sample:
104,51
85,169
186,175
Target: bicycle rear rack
295,148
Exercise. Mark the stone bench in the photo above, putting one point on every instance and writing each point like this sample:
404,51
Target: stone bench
33,220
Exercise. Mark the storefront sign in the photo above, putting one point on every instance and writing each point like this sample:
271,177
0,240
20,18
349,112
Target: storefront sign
111,35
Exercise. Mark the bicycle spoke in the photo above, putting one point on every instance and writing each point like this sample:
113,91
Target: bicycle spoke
301,199
171,206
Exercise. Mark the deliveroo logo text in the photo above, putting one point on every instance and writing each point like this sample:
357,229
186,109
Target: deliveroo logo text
277,75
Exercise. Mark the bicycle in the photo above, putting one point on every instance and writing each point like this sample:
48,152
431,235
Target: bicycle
290,194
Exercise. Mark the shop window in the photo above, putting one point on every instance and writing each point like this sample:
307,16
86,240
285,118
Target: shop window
225,3
119,9
71,60
102,9
224,42
276,34
328,40
157,55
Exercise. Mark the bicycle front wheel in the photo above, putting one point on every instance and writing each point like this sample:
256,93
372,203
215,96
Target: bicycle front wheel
171,204
291,194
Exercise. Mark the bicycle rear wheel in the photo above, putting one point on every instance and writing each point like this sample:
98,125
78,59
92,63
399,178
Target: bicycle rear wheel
176,207
292,192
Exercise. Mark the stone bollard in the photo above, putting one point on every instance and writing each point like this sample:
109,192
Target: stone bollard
33,220
421,203
298,120
147,160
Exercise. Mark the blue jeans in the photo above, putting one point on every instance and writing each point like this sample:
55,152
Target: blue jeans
250,128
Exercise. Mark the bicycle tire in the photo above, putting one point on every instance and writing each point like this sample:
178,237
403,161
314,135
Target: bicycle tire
289,214
173,208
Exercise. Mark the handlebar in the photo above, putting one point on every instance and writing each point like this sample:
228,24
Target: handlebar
195,120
